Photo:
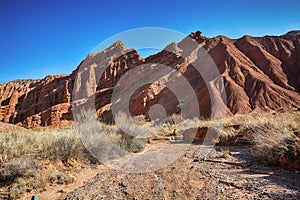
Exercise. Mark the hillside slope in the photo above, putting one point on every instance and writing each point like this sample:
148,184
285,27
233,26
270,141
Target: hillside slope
256,73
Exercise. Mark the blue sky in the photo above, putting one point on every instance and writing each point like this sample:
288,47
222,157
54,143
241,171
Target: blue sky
41,37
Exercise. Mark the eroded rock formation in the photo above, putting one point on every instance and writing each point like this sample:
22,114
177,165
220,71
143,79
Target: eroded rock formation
253,72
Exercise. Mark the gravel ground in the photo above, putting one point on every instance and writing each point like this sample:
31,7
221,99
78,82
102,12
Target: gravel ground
225,173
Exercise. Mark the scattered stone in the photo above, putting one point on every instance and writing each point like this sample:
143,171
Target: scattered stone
5,197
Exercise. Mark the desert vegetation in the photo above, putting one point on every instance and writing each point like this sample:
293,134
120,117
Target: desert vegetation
23,152
273,138
53,145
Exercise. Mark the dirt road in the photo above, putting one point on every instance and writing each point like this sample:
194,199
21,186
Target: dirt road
225,173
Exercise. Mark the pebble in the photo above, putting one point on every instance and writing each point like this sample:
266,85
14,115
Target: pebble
220,189
5,197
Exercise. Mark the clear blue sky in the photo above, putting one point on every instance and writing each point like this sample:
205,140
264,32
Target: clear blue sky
41,37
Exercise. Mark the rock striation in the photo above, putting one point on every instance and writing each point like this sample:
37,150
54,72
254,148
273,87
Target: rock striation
253,72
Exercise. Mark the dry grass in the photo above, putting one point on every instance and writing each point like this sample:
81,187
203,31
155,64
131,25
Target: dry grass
276,138
60,178
52,145
131,134
22,150
19,168
273,135
21,174
255,124
25,185
64,144
112,141
271,143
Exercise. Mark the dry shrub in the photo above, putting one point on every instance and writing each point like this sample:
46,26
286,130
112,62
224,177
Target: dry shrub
52,144
270,143
135,132
22,176
228,135
18,168
16,190
243,129
25,185
131,143
272,135
137,129
279,146
113,141
62,147
174,119
60,178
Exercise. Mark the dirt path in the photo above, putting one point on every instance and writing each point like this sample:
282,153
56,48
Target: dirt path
57,191
232,173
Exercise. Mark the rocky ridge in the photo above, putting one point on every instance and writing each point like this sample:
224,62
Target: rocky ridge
257,73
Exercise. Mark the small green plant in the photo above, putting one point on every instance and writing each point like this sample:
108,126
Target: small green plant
60,178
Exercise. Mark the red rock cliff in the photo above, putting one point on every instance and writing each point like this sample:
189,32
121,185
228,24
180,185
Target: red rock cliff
257,72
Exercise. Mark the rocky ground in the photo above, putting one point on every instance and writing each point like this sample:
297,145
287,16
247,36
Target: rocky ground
225,173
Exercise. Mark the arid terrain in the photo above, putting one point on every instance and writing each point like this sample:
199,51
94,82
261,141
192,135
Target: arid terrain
256,72
228,173
53,164
244,144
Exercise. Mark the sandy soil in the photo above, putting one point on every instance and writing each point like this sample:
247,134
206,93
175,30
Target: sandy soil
225,173
56,191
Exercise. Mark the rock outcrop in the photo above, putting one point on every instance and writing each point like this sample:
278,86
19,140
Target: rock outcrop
253,72
36,103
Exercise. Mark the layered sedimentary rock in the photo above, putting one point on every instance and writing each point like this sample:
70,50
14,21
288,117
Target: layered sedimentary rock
253,72
36,103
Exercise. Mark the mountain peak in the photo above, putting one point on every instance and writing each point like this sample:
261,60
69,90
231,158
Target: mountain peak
292,35
294,32
118,44
258,73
